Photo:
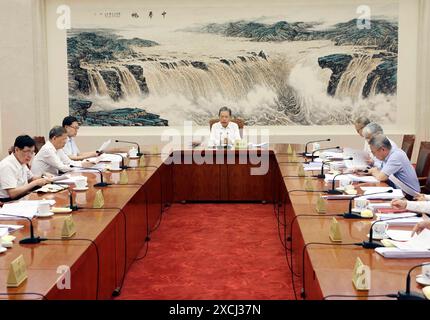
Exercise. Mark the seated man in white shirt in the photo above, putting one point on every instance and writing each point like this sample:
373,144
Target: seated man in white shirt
421,206
16,178
71,125
224,132
51,158
368,132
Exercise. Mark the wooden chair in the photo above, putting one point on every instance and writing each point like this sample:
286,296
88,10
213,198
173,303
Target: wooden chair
426,189
40,141
408,145
240,123
423,162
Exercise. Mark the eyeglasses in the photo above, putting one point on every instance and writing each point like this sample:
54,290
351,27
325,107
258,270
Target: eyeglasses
76,128
27,152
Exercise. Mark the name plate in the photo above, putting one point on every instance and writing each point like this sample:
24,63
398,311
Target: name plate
361,276
334,233
17,272
69,228
309,186
123,177
99,200
289,149
301,172
321,206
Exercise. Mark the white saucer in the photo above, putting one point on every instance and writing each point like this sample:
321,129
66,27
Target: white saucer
45,215
80,189
422,280
2,249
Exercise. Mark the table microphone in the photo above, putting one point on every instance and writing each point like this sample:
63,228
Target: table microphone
350,215
373,244
306,146
322,175
123,166
32,239
407,294
101,183
71,205
333,190
139,154
313,152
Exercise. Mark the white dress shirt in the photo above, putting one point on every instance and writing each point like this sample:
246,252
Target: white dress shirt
419,206
218,133
71,149
51,160
376,162
13,174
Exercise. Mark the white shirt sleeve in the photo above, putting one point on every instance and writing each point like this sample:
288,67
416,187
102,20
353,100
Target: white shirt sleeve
214,137
236,133
418,206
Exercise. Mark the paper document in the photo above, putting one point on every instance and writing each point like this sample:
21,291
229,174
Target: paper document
420,242
404,219
258,145
399,235
406,189
396,253
11,227
107,157
4,232
352,177
359,158
104,146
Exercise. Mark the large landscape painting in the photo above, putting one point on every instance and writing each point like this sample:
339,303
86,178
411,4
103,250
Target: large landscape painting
273,65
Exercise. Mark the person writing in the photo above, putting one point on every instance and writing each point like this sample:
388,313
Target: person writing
16,179
225,131
394,161
51,158
71,125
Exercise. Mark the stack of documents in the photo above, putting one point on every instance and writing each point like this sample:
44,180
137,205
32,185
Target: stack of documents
352,177
417,247
395,194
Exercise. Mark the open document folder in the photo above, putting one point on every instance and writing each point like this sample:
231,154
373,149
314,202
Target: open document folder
417,247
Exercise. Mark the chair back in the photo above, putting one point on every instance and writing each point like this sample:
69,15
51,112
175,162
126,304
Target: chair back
408,144
423,162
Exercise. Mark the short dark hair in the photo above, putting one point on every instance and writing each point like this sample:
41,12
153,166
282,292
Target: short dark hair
56,131
67,121
24,141
224,109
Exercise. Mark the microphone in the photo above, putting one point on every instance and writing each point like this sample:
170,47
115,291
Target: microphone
123,166
371,244
312,155
71,205
306,145
101,183
32,239
322,175
333,190
139,154
350,215
407,294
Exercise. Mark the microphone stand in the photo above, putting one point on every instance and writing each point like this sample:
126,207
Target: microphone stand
322,175
373,244
139,154
306,146
407,294
313,156
333,190
101,184
32,239
71,205
350,215
123,166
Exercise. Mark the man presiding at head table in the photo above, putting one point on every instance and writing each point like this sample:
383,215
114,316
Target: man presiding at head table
224,132
51,158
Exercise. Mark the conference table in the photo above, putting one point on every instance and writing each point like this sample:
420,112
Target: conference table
109,239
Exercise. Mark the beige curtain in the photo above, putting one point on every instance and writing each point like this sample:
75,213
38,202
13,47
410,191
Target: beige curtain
423,73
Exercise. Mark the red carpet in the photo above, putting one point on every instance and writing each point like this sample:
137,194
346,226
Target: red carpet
212,251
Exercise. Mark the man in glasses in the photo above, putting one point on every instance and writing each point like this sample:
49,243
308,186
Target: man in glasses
71,125
16,178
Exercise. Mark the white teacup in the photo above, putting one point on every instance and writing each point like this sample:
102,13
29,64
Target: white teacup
115,165
132,152
380,229
81,182
43,208
361,203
